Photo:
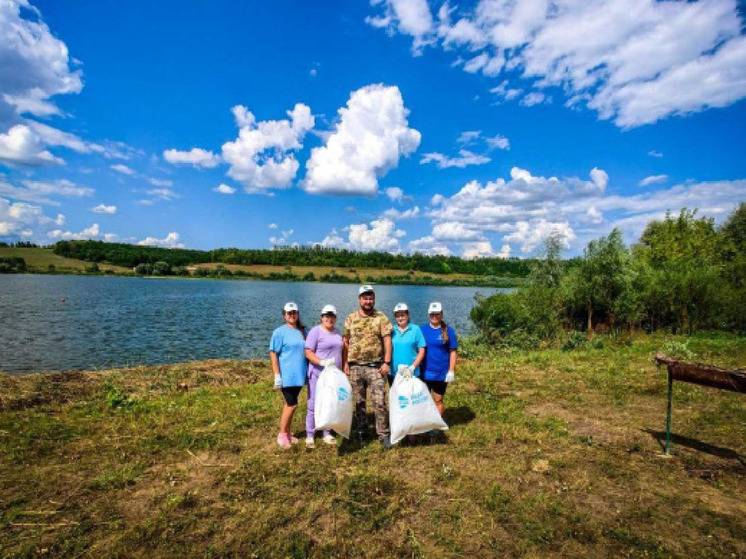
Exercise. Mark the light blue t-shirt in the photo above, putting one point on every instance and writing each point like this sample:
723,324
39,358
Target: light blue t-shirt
289,345
405,346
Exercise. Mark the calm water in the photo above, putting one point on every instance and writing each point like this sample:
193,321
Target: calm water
78,322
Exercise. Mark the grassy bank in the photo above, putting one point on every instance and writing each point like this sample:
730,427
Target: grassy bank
43,260
550,453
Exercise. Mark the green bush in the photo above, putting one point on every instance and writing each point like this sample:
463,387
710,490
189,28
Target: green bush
12,265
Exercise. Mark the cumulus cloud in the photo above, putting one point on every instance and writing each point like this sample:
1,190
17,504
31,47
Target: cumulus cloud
122,169
632,61
91,232
378,235
161,182
172,240
36,64
395,194
533,98
17,219
429,245
454,231
464,159
196,157
20,145
282,239
262,155
477,249
104,209
468,137
498,142
371,136
653,179
410,17
223,188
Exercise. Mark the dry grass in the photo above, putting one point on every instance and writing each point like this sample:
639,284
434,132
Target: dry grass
550,454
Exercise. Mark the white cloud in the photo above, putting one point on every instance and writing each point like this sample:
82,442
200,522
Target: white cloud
395,194
223,188
18,218
594,216
196,157
653,179
477,249
169,241
654,153
61,187
399,215
161,182
35,64
20,145
504,251
410,17
92,232
162,193
378,235
429,245
261,157
632,61
371,136
272,226
533,98
282,239
123,169
464,159
104,209
468,136
454,231
531,234
498,142
504,92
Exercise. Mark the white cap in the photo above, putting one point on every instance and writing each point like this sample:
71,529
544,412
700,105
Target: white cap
435,307
329,309
401,307
365,289
290,306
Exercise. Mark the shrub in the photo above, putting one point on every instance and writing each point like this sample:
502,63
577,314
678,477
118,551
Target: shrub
12,265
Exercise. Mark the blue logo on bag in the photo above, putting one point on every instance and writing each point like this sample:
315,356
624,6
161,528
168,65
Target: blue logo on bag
342,394
419,397
403,402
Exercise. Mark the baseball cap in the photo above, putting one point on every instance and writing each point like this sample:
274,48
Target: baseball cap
401,307
365,289
290,306
435,307
329,309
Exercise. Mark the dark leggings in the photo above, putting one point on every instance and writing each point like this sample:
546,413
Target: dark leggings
291,393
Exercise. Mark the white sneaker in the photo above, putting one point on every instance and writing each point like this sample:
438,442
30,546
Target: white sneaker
330,439
310,443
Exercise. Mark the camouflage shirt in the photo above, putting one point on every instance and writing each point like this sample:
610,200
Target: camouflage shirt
366,336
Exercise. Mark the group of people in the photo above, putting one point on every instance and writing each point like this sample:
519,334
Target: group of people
370,351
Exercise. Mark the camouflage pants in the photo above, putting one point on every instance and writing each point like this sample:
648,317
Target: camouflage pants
362,377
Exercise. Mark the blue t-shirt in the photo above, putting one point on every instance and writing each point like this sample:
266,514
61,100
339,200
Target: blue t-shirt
405,346
437,355
289,345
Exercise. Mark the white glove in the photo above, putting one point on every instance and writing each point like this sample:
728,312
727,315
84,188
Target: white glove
327,362
451,376
278,382
404,371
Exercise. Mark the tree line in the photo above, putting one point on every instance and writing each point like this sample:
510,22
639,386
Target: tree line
130,256
683,275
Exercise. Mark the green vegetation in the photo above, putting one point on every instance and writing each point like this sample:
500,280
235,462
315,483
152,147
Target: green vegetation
132,255
43,261
684,275
550,453
12,265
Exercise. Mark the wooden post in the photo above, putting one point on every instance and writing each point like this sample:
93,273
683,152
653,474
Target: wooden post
668,415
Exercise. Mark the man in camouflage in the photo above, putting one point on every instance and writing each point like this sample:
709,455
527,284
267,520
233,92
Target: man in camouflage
367,358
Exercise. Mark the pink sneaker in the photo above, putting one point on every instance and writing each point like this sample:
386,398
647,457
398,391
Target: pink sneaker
292,439
283,441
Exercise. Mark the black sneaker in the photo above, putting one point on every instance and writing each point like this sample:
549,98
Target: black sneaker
386,442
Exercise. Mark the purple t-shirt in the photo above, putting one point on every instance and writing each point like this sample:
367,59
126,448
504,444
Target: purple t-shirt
326,345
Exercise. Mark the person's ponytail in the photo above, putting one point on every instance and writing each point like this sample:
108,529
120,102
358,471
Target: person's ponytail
443,331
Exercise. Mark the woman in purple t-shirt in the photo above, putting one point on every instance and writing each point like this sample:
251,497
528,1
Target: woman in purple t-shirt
323,346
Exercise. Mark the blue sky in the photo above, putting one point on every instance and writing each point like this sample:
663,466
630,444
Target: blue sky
473,129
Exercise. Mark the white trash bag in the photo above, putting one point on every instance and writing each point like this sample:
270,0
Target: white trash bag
411,408
333,403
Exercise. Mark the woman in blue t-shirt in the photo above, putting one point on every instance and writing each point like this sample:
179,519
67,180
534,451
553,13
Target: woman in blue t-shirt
439,365
289,365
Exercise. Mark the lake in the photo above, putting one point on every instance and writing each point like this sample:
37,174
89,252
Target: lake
50,322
